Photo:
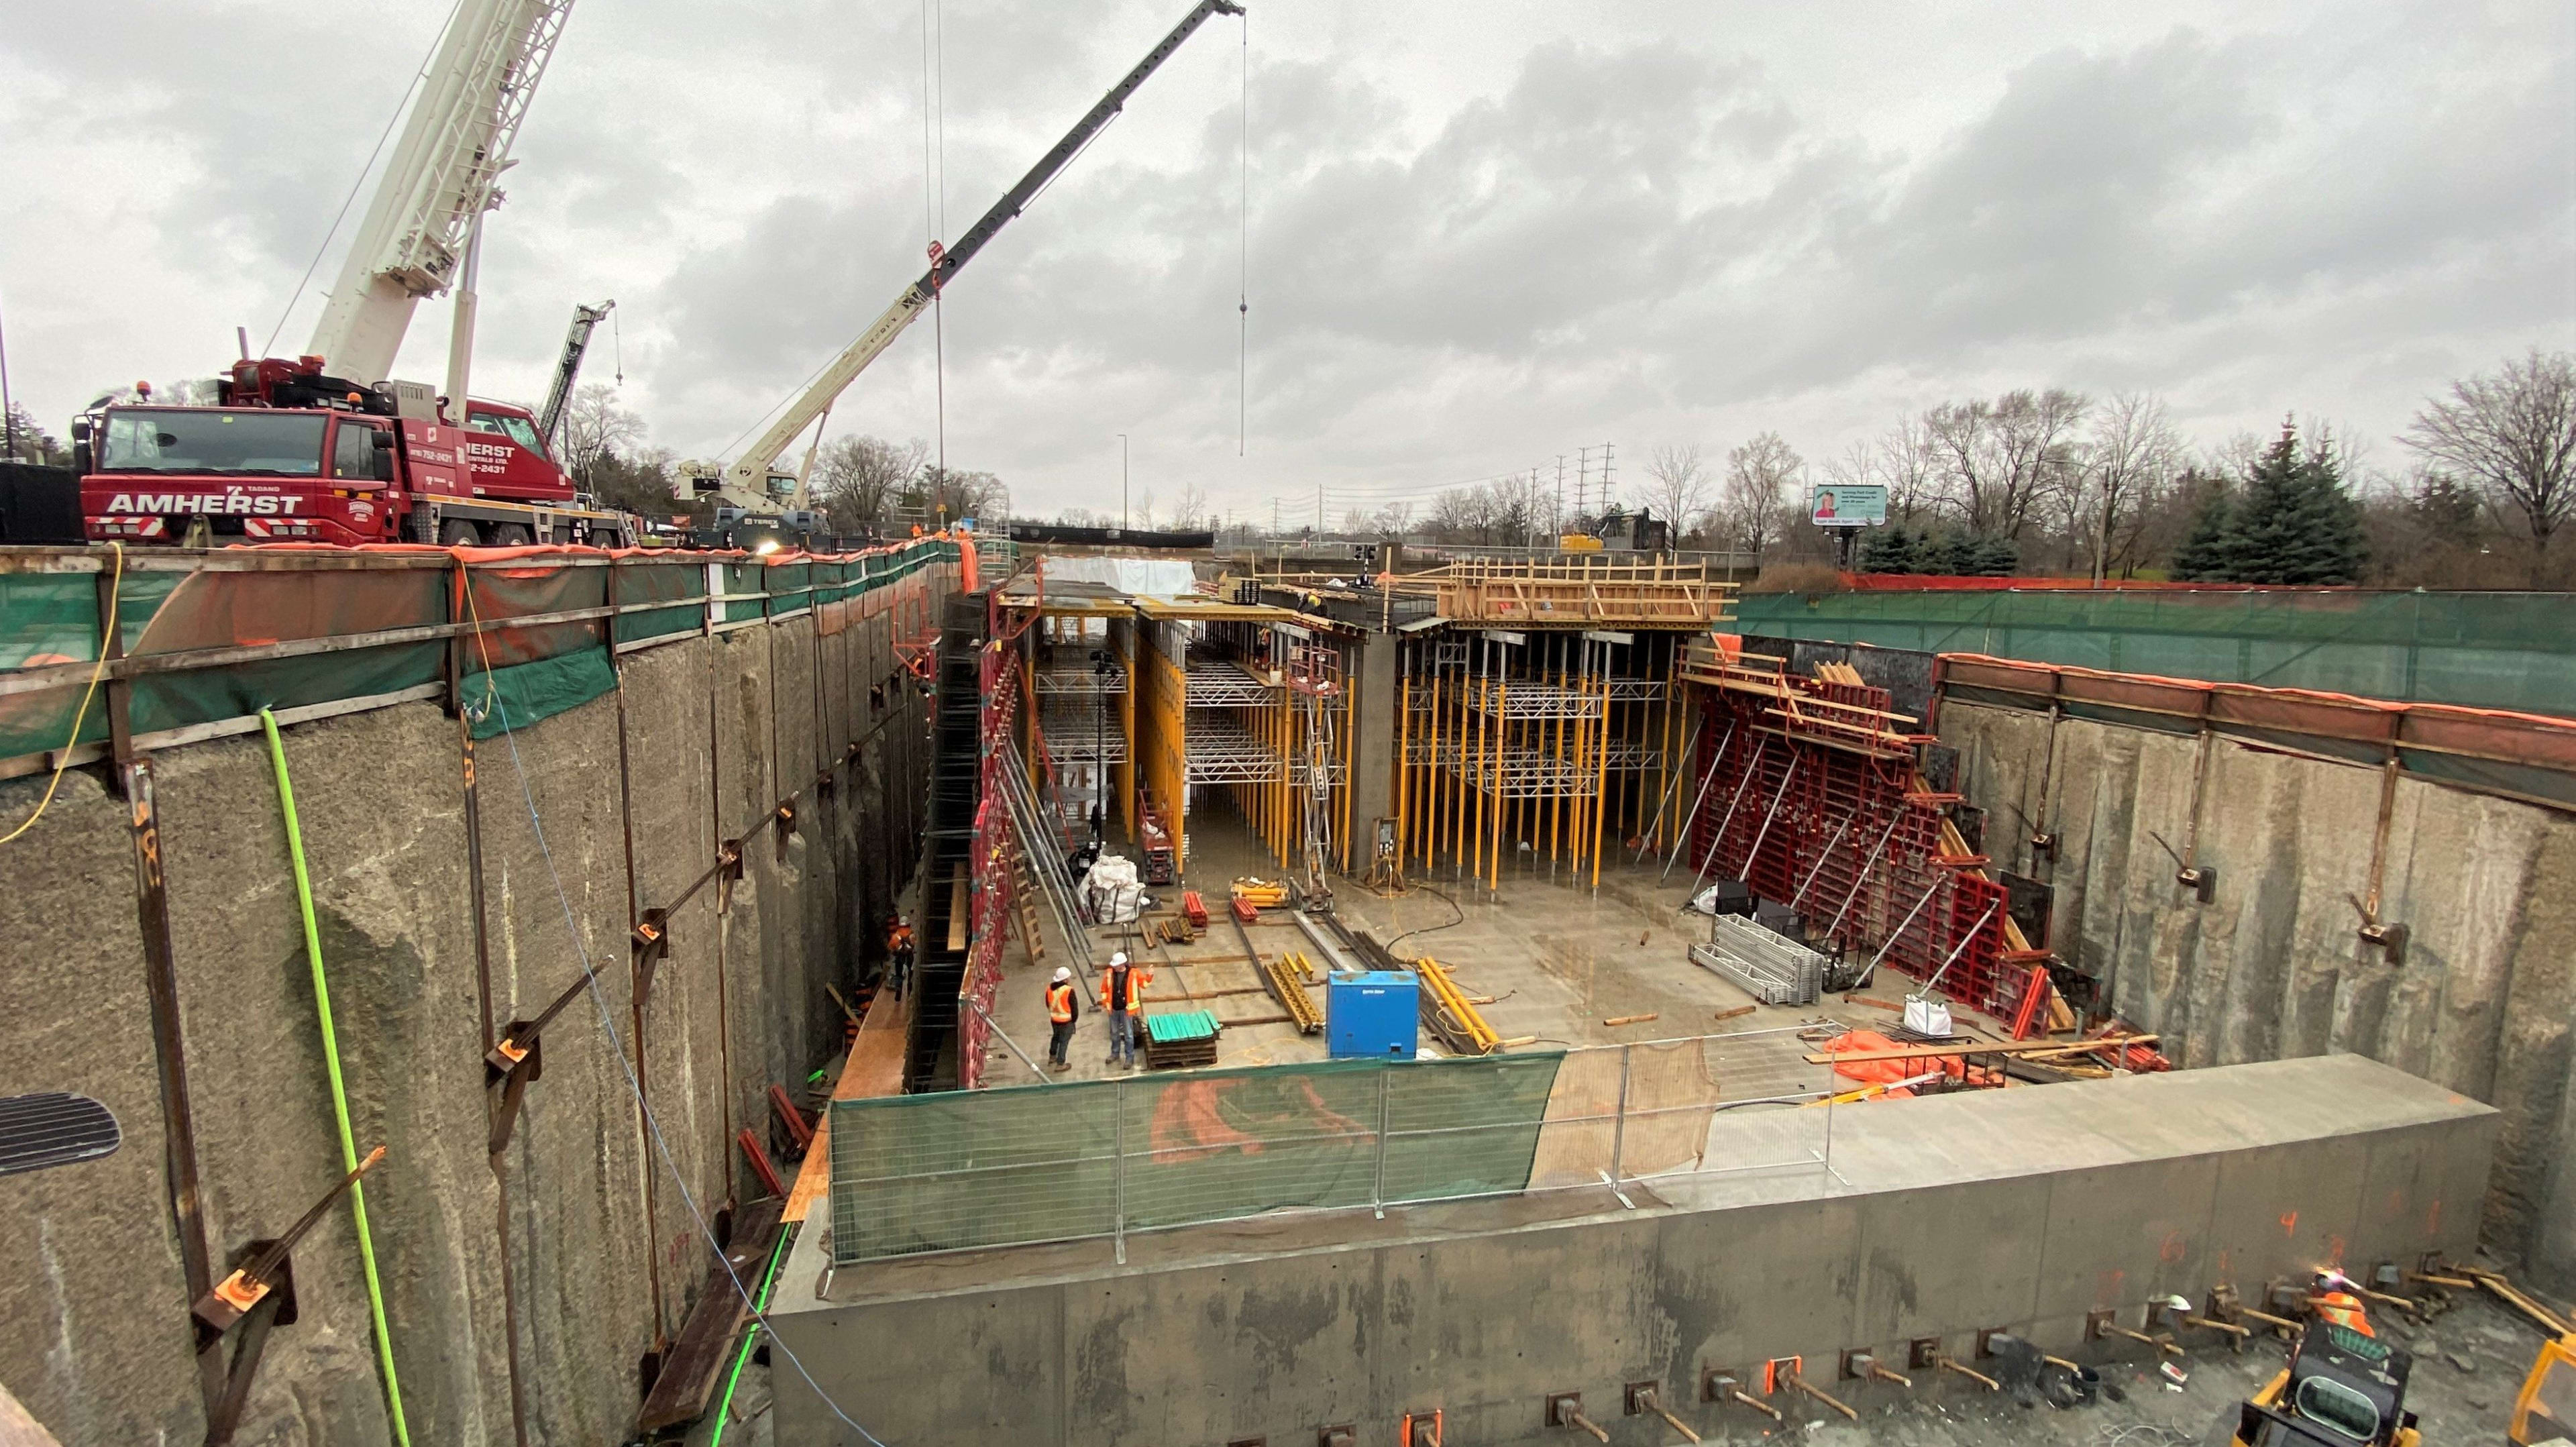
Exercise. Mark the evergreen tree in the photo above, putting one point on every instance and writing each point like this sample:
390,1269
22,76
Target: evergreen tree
1891,549
2296,524
1997,558
1955,555
2206,555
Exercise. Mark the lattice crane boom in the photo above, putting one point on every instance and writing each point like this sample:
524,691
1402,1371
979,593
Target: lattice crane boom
454,147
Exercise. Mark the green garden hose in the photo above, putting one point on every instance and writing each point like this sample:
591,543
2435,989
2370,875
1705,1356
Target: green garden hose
724,1406
339,1093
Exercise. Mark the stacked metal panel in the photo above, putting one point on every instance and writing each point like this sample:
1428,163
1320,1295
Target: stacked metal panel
1771,969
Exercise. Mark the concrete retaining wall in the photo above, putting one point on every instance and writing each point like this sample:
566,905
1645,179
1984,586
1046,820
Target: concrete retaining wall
2273,966
524,1290
2020,1209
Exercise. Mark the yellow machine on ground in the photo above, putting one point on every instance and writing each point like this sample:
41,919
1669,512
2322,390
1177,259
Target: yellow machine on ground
2545,1413
2343,1386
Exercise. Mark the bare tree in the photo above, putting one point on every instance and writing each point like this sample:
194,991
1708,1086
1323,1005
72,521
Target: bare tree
2001,460
856,479
1521,507
1357,522
1461,514
594,426
2513,433
1190,510
1395,519
2131,458
1759,476
1676,487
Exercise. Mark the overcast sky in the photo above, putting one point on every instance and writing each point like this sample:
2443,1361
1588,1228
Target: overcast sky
1480,236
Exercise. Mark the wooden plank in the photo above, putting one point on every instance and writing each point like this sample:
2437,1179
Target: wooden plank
697,1361
2006,1047
958,918
873,1070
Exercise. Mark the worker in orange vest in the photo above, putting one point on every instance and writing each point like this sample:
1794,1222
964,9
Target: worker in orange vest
1062,1011
898,953
2334,1304
1122,994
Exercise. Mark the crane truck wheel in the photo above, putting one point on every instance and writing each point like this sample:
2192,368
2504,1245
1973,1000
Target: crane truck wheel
510,535
458,533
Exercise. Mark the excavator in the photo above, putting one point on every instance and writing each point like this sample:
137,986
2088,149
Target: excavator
753,496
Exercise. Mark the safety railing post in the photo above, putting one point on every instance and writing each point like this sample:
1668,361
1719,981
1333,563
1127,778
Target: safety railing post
1619,1124
1377,1185
1118,1148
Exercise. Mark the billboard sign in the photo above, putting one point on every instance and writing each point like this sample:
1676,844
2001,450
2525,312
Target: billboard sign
1854,505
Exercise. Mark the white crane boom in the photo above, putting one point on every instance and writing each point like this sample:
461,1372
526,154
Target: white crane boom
454,146
749,474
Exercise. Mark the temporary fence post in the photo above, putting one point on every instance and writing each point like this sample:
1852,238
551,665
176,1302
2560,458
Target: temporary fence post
1377,1185
1619,1125
1118,1146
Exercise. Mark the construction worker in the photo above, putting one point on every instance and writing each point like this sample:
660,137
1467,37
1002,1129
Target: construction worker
1122,992
898,953
1062,1011
2332,1303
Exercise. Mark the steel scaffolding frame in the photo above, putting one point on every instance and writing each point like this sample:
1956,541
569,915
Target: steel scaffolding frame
1511,698
1059,680
1082,733
1222,751
1225,683
1543,747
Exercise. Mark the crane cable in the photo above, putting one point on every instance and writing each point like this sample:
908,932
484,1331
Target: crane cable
934,206
1243,248
63,759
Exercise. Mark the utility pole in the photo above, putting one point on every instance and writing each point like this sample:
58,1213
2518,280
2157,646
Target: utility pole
1319,512
1606,493
1556,517
1122,482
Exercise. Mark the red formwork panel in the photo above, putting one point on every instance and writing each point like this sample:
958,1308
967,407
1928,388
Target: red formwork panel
1842,836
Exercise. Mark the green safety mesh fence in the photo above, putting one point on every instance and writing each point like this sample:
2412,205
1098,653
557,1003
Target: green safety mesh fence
536,670
2483,650
963,1169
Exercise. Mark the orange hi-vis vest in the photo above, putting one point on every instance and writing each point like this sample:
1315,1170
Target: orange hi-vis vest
2344,1310
1137,978
1060,1003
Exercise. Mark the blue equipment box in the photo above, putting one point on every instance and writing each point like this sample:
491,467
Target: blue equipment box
1372,1014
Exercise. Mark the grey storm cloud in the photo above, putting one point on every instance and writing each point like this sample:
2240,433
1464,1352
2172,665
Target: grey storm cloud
1469,245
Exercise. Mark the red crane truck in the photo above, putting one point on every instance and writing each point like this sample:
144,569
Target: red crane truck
288,453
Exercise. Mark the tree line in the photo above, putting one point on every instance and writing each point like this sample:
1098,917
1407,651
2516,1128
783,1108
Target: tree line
862,485
2053,480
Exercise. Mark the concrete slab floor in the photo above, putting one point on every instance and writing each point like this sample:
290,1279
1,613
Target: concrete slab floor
1557,958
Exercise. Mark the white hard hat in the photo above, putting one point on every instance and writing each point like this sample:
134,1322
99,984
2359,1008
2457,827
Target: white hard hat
1062,974
1118,959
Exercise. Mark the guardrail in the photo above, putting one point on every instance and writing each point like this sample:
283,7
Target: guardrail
967,1170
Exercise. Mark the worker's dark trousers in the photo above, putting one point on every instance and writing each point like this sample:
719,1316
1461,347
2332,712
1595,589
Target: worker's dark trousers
1122,1042
1060,1042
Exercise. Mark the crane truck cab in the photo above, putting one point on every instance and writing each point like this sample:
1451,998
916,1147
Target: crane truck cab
2341,1389
290,453
755,522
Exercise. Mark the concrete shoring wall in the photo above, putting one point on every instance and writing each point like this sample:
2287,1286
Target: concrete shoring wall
577,1235
2022,1209
2485,1002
